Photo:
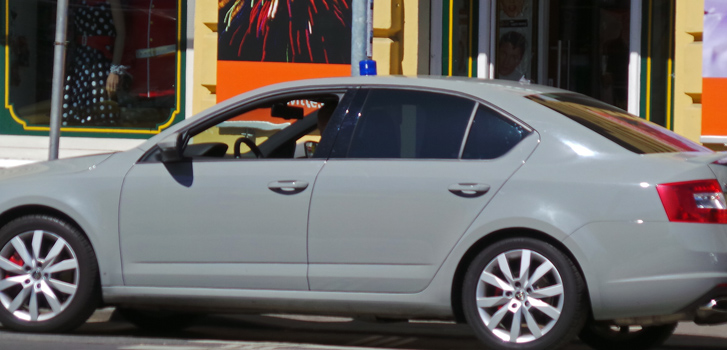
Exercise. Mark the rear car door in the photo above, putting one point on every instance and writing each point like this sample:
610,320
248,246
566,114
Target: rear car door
403,183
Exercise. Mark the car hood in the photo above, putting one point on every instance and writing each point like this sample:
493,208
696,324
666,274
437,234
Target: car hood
60,166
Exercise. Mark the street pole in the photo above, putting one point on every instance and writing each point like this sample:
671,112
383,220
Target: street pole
358,34
59,70
361,33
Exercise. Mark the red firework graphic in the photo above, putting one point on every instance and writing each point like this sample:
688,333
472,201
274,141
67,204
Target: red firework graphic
301,31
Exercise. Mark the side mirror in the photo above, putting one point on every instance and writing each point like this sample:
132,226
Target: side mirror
170,147
310,148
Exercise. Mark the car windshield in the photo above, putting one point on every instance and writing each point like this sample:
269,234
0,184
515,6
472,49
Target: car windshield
631,132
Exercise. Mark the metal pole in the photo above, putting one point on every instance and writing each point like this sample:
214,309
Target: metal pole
634,79
358,35
59,68
369,29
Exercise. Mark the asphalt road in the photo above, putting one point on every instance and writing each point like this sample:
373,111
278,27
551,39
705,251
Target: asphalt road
247,332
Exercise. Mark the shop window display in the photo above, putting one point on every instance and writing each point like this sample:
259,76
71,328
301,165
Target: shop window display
121,64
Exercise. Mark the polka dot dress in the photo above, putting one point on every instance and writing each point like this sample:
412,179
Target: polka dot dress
85,101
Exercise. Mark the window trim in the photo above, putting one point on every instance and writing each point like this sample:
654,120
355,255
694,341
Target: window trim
467,130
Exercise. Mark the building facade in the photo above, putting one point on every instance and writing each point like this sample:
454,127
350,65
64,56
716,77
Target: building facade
176,58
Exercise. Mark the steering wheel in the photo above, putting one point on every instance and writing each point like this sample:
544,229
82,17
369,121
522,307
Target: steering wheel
249,143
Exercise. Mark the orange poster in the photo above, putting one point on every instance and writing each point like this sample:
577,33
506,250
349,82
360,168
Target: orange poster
266,42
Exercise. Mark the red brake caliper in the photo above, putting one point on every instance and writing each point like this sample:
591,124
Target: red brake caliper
15,259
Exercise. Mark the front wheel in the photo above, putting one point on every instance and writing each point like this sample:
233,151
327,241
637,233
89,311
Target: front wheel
523,293
48,275
604,336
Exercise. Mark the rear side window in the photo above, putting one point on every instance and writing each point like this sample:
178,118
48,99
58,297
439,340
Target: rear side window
630,132
492,135
410,124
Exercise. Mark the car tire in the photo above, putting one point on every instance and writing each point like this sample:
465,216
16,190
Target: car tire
48,275
547,300
604,336
157,321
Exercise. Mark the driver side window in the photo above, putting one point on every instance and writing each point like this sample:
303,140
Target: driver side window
284,128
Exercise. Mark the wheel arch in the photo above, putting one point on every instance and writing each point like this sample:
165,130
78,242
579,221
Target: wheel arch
496,236
74,312
37,209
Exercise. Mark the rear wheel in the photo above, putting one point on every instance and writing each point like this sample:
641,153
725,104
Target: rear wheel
604,336
48,275
522,293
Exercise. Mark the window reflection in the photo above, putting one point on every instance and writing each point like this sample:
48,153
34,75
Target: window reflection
631,132
121,60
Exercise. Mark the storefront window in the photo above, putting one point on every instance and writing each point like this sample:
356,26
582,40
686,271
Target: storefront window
123,66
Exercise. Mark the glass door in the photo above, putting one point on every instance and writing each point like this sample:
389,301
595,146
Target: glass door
588,48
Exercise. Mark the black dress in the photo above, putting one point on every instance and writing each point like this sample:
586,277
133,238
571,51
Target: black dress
85,101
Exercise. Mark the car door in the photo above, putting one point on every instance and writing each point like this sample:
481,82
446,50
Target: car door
403,185
222,218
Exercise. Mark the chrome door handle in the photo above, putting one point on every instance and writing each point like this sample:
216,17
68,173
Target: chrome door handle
469,189
288,186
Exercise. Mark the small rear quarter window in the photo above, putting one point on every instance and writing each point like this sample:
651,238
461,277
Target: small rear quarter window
491,135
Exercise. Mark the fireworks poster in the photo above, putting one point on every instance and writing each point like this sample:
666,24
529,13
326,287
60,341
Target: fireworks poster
714,71
262,42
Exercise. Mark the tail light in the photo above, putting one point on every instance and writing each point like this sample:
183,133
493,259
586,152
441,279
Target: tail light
700,201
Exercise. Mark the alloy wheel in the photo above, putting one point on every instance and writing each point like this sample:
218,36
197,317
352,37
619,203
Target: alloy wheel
519,296
39,275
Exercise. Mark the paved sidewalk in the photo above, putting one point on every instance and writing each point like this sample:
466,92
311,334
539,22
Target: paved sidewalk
7,163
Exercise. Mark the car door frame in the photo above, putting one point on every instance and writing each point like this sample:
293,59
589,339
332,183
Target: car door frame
151,156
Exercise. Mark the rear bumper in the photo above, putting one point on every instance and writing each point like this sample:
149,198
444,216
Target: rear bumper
654,272
708,310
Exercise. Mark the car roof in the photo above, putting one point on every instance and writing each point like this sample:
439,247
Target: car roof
505,92
462,84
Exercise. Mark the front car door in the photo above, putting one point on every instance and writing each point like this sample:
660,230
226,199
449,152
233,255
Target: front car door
225,217
405,180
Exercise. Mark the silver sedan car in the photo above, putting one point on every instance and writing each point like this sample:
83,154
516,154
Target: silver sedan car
531,213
